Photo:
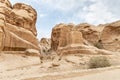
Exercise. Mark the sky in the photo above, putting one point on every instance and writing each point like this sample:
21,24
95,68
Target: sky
52,12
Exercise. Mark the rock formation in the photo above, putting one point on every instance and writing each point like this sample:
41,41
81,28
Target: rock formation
110,36
90,32
17,27
45,45
59,36
71,39
63,34
85,38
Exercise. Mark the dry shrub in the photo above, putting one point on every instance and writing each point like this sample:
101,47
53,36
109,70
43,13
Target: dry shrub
97,62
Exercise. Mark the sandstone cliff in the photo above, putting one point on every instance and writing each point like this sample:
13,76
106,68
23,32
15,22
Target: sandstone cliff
89,32
17,27
85,38
110,36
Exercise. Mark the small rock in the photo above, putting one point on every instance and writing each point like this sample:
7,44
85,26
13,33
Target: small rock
55,64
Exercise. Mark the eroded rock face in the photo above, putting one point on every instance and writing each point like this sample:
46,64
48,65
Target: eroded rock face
85,38
28,16
110,37
5,3
66,39
59,36
17,27
89,32
69,34
75,37
45,45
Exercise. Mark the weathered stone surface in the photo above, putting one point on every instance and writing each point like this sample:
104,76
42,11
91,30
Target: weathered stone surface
75,37
69,41
45,45
110,37
82,38
59,36
45,42
27,15
89,32
5,3
17,27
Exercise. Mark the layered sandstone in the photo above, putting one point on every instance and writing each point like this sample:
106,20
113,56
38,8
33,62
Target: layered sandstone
45,45
59,36
71,39
17,27
85,38
90,32
110,36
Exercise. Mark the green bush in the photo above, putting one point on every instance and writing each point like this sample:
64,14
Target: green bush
97,62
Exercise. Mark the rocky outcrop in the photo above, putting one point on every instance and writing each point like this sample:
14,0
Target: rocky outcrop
45,45
80,33
71,39
90,32
110,36
59,36
17,27
85,38
69,34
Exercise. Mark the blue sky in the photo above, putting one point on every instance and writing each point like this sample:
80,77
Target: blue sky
52,12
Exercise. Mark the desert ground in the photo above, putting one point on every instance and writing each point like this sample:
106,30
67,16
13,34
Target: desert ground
70,67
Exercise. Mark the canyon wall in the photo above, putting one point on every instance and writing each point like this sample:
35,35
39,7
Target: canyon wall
85,38
17,27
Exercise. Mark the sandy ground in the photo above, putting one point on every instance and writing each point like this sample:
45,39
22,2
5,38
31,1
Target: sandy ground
72,67
113,74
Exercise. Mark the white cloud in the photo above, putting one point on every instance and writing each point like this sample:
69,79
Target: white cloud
64,5
91,11
99,11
